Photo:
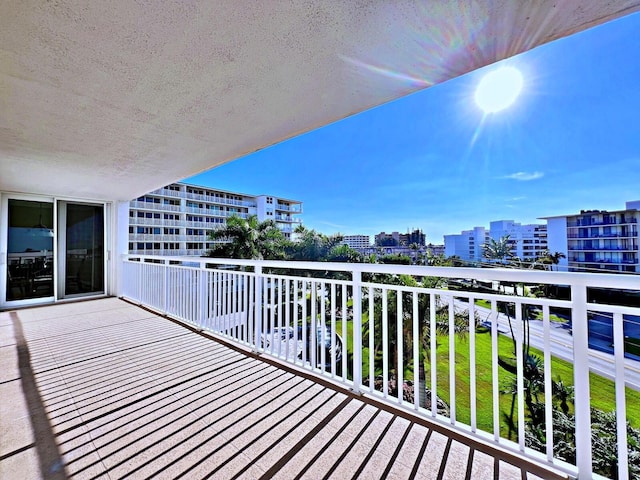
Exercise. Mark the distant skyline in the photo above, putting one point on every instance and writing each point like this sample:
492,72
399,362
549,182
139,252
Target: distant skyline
435,161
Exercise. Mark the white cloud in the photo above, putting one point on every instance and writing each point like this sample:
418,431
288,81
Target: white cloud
524,176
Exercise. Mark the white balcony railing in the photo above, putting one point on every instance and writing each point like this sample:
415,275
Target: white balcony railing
371,329
288,219
214,213
154,206
155,222
289,208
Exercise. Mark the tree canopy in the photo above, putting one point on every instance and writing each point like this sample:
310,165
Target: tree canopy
501,249
248,239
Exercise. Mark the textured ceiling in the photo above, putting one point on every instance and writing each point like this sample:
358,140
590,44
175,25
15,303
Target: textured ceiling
108,100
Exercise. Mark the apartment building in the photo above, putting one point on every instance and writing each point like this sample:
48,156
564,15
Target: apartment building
176,219
397,239
466,245
357,241
528,241
597,240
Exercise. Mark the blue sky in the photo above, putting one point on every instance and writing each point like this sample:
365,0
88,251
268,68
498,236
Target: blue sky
433,160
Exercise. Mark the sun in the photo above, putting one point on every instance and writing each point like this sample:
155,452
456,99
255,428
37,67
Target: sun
498,89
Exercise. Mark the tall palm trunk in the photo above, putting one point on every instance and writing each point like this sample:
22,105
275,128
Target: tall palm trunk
422,384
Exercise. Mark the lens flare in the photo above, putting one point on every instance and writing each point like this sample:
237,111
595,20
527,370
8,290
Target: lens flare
498,89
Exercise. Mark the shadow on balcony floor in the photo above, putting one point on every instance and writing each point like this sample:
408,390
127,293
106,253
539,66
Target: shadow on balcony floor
104,389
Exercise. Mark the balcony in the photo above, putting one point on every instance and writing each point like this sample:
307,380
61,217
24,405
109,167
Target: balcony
155,222
600,261
160,252
214,213
218,200
604,235
168,193
154,206
289,208
596,223
107,388
288,219
260,305
596,248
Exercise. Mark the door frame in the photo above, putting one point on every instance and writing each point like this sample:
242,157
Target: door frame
58,255
61,254
4,249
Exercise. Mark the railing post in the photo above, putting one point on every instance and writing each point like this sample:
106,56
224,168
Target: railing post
140,272
258,308
621,405
202,293
165,286
357,330
580,331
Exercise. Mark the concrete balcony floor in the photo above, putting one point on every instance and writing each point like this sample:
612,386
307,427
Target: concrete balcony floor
105,389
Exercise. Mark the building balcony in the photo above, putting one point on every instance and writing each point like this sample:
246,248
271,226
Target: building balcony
123,392
165,192
155,222
214,378
160,237
211,199
288,219
582,223
214,213
289,208
604,235
604,260
160,252
203,197
261,305
192,224
631,248
154,206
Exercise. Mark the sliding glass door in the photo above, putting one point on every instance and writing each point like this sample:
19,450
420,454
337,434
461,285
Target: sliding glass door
30,251
50,249
81,247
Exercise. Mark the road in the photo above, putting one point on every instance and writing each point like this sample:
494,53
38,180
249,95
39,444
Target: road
561,343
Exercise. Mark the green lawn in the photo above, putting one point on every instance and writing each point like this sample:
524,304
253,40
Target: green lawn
602,389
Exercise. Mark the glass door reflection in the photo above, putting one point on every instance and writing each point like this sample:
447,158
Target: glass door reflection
30,250
83,248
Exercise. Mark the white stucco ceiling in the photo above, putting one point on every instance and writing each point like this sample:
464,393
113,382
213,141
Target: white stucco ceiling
109,100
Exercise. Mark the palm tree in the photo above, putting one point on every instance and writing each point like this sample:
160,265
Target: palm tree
311,245
416,250
563,394
552,258
248,239
501,249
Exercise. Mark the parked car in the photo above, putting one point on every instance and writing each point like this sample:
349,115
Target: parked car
299,341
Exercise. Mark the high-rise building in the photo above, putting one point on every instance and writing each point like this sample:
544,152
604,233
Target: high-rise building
597,240
357,241
527,241
176,219
467,245
397,239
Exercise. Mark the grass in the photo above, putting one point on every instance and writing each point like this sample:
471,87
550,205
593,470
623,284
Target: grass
483,303
602,389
